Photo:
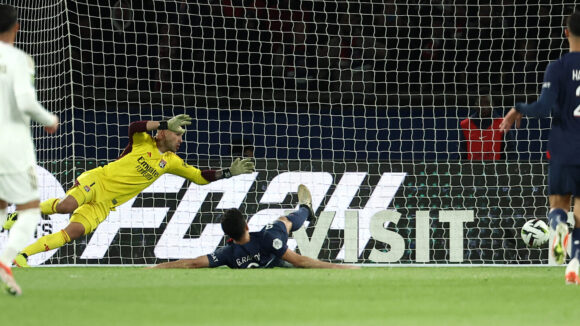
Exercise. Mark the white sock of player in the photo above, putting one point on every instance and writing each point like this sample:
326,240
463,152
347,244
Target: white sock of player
20,234
3,216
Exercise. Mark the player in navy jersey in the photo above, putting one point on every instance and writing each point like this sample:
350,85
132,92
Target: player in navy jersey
560,96
264,249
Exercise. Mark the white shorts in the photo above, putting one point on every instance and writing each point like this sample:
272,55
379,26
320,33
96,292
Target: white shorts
19,188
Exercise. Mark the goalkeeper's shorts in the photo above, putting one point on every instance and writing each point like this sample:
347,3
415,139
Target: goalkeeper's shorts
90,215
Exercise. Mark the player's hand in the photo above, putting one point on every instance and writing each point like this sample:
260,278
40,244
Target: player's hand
177,123
52,129
242,166
509,119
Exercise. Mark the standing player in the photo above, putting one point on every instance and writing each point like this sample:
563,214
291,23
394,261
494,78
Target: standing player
561,95
264,249
18,105
98,191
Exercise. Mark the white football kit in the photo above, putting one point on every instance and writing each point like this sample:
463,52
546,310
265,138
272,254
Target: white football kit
18,106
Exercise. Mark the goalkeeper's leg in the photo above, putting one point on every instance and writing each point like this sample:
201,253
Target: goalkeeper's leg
78,195
84,220
81,193
47,207
62,206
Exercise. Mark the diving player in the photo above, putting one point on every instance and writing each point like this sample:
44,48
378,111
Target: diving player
98,191
264,249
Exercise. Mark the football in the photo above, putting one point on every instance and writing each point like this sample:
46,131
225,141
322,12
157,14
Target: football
535,233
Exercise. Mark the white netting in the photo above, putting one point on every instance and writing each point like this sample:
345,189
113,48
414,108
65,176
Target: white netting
361,100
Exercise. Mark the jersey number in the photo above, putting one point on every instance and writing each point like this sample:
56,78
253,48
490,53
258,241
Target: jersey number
577,110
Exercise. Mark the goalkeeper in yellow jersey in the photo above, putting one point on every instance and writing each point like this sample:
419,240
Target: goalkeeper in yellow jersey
98,191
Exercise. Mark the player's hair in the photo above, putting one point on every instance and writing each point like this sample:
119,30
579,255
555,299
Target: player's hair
573,23
233,223
8,17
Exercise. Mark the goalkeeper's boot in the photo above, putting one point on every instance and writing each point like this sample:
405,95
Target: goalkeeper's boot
559,243
7,280
305,199
572,272
21,260
12,217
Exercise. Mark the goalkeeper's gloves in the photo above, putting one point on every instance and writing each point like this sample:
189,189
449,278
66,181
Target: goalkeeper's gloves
239,167
176,123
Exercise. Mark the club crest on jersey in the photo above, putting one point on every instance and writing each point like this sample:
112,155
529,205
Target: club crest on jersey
162,164
87,188
277,243
149,153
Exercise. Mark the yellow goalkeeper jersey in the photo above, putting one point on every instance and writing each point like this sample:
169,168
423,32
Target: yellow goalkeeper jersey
121,180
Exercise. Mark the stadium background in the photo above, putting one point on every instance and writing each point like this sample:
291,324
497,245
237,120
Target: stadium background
378,86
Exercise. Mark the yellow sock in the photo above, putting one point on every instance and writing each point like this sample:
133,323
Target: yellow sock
48,206
46,243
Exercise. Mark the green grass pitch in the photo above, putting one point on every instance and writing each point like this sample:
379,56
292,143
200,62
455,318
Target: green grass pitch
369,296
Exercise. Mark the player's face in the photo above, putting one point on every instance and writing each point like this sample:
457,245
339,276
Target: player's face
485,106
173,140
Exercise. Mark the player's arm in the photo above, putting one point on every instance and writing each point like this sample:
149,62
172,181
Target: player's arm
174,124
539,109
307,262
200,177
25,95
138,129
542,107
199,262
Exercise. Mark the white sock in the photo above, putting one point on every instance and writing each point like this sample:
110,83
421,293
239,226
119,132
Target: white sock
3,216
20,234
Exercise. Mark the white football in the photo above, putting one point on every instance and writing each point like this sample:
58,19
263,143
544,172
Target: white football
535,233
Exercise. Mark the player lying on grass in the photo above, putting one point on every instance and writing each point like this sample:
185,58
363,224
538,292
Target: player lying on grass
264,249
100,190
561,97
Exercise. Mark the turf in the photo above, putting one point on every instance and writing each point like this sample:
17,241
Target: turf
370,296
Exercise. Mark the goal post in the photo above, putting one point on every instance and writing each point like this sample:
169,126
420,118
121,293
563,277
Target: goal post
362,101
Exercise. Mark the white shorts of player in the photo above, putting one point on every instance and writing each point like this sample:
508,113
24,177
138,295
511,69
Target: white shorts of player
20,187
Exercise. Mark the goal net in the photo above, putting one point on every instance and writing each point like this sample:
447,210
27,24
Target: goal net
362,101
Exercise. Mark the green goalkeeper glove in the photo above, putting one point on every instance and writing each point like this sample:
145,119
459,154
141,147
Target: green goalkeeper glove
176,123
239,167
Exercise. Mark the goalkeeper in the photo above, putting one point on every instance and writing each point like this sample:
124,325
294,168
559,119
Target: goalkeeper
98,191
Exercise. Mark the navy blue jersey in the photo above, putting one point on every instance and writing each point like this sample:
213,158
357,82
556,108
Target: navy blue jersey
563,78
561,94
264,250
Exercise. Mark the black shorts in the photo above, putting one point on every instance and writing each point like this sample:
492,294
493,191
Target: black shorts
563,179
